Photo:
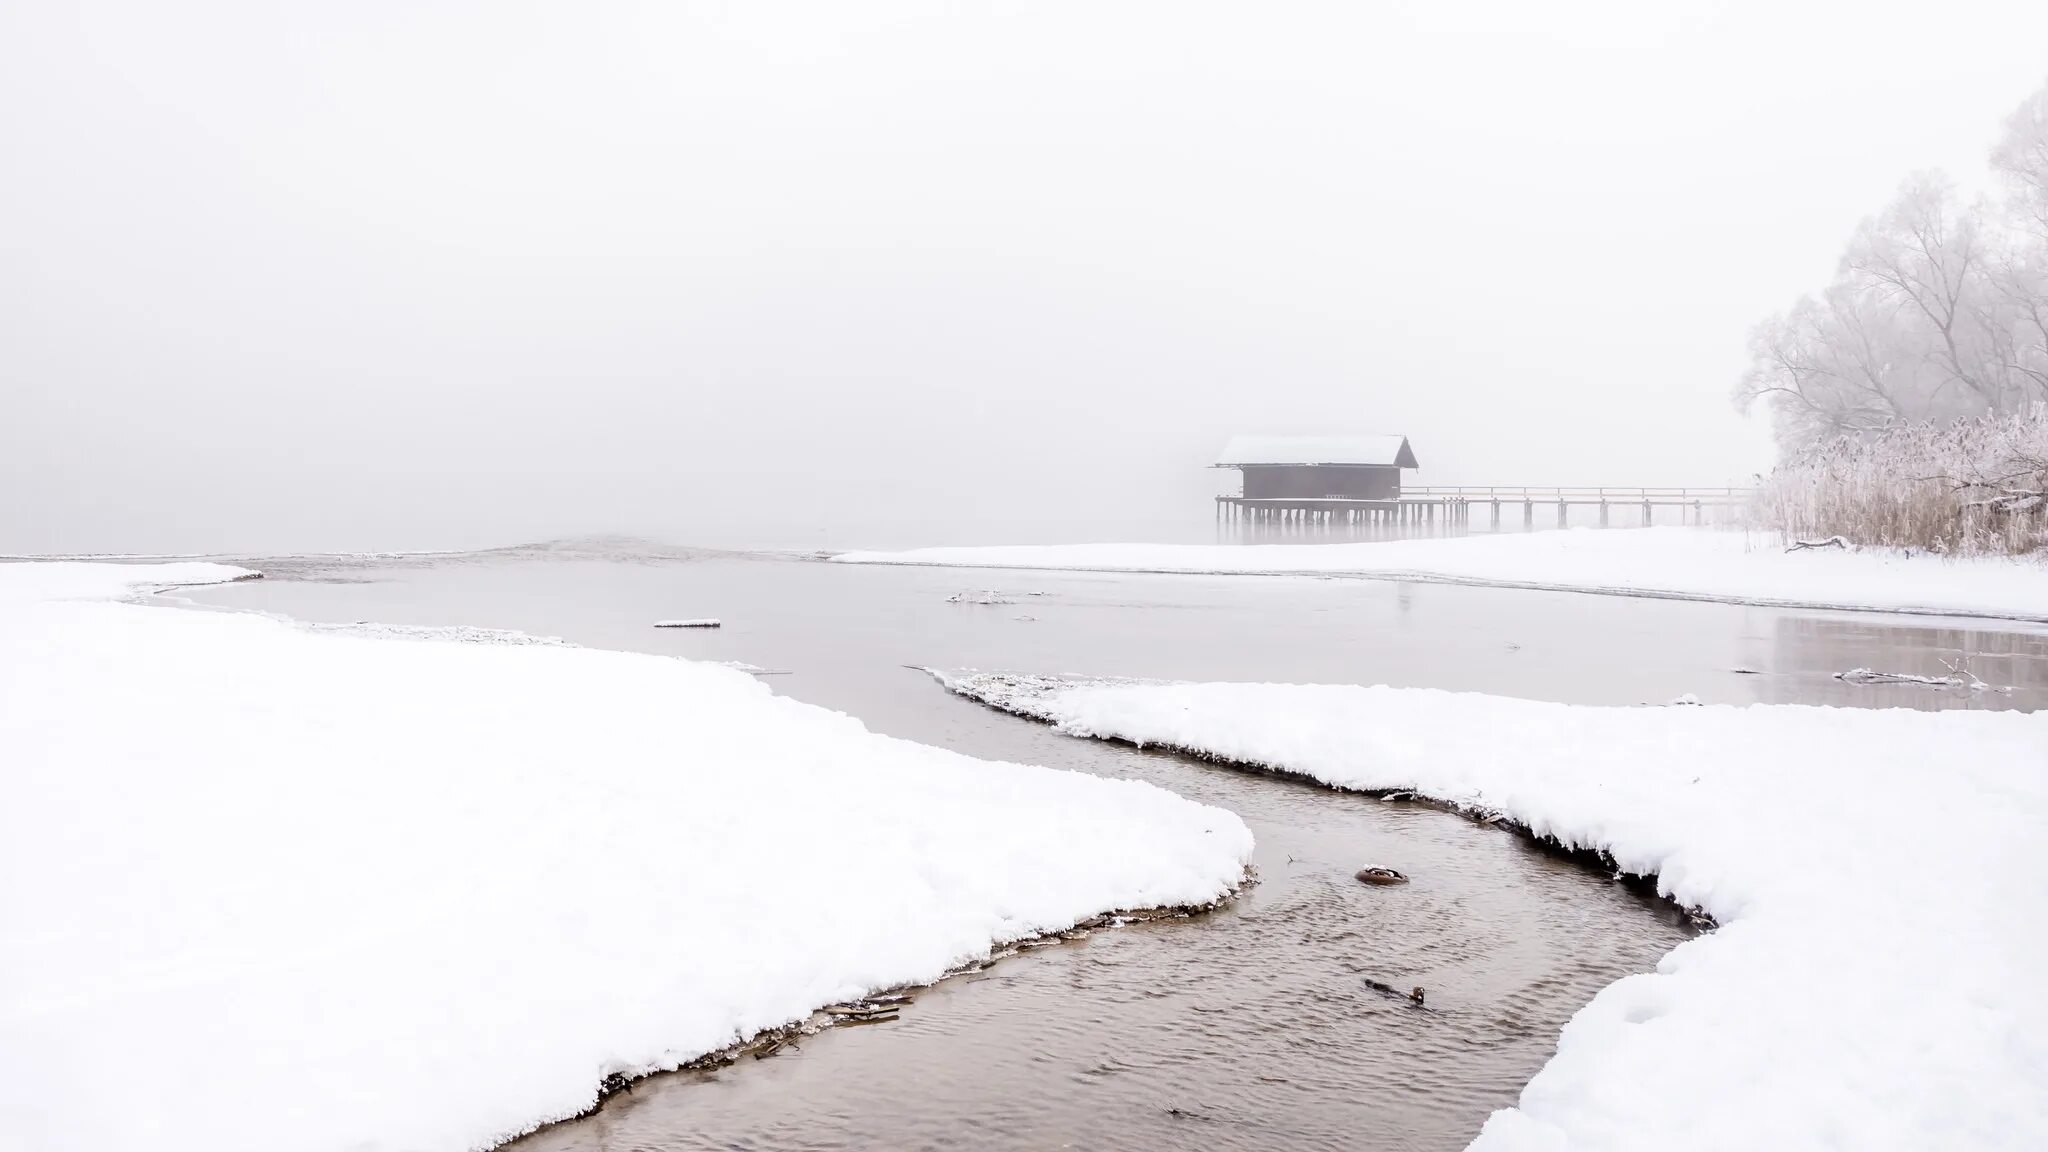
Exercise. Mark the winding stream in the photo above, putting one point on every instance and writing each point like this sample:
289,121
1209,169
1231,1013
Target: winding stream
1250,1028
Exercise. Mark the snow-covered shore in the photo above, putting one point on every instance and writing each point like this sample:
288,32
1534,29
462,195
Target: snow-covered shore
1880,878
1674,563
281,888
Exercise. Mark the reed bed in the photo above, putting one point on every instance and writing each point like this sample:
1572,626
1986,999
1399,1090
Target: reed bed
1976,487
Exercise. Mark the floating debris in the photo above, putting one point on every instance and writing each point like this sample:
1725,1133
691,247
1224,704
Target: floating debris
1414,995
988,596
704,623
1379,876
1959,676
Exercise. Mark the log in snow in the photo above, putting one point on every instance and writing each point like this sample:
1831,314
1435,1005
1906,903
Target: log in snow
270,888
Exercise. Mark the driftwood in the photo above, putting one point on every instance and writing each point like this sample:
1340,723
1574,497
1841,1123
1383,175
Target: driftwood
1959,676
1830,542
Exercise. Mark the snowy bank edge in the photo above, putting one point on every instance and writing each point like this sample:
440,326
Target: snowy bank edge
771,1041
89,582
108,581
912,559
1572,1100
970,686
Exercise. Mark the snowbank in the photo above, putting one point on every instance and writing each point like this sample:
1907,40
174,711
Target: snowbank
78,580
264,887
1880,878
1673,563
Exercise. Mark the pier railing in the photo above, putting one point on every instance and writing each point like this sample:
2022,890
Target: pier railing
1521,494
1451,507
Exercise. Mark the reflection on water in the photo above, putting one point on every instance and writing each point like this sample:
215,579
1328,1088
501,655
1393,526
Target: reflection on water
1249,1029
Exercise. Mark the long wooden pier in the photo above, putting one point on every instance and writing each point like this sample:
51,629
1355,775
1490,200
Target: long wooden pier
1450,509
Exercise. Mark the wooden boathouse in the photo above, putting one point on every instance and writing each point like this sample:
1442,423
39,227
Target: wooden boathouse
1315,479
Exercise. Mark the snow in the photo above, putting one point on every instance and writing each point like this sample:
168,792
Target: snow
1879,877
77,580
266,887
1371,449
1671,563
705,622
457,633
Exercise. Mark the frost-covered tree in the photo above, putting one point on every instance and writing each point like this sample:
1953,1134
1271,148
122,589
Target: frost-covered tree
2020,276
2021,158
1938,311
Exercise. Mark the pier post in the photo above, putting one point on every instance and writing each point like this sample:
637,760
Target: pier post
1561,506
1603,512
1528,513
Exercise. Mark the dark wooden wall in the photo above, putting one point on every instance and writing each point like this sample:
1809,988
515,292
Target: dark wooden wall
1308,482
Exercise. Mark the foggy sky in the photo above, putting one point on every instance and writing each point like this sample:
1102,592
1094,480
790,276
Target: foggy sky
417,275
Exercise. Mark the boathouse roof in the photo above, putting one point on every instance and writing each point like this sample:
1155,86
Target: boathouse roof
1381,451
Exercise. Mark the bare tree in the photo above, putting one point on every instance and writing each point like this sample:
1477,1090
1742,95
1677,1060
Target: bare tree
1929,256
2021,158
1832,366
1939,310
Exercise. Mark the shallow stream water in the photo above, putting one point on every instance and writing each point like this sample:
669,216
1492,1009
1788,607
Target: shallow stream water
1250,1028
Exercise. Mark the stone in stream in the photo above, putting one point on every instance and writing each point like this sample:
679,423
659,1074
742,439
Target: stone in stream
1380,876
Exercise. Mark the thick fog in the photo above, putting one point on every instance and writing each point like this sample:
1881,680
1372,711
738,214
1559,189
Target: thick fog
419,275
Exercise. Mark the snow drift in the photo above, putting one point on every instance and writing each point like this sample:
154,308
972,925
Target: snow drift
1880,878
266,887
1672,563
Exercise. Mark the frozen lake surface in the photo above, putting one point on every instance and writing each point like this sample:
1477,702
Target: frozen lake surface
1250,1028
